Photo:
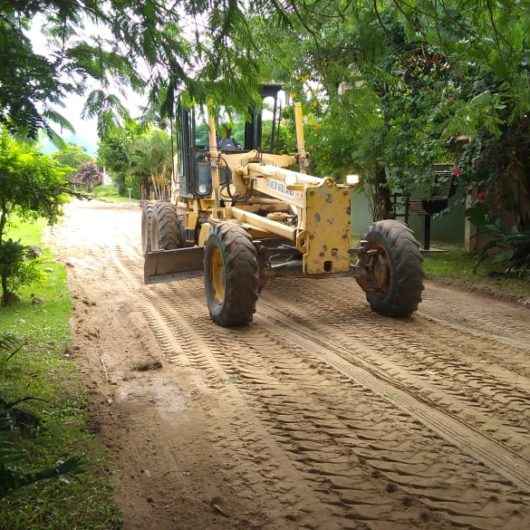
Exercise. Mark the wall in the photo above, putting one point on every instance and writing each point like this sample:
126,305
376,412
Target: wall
361,216
447,227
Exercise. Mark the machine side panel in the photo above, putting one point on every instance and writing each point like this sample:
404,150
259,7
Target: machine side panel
328,229
278,189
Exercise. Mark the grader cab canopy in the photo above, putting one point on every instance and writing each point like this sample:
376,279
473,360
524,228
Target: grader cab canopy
238,213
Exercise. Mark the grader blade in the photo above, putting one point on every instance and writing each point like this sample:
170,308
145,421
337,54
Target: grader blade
166,265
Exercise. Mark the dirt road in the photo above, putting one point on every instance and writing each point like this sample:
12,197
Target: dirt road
321,415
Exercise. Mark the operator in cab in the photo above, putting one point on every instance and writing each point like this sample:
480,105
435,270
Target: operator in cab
227,143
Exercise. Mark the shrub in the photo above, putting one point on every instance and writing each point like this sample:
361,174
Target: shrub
31,185
18,267
510,248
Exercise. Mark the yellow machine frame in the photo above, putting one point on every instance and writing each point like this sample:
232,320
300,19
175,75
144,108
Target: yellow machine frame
322,207
268,210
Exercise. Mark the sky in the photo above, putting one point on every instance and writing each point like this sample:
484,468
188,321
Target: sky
85,129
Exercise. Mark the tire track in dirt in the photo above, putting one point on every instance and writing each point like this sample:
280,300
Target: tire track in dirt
181,465
424,364
262,469
192,299
299,444
520,343
218,346
506,322
289,369
488,348
279,409
506,462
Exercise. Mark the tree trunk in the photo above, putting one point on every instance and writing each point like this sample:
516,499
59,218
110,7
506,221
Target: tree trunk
5,293
5,298
381,196
3,219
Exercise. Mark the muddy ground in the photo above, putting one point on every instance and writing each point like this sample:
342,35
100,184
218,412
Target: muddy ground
320,415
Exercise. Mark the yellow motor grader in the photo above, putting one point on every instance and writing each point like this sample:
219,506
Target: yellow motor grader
239,214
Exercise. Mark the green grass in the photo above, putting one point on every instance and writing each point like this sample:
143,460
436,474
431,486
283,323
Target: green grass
109,193
30,233
42,369
457,266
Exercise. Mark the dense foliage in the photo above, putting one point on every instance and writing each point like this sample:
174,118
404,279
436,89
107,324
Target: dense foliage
88,176
72,156
393,86
18,267
31,185
83,172
157,47
138,158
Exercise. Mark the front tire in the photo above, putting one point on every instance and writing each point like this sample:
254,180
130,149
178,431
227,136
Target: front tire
231,275
393,265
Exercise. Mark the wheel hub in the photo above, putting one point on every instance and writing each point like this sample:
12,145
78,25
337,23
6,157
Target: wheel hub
380,269
373,272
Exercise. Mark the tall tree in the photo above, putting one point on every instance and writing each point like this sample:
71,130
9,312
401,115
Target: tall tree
138,157
72,156
204,48
405,78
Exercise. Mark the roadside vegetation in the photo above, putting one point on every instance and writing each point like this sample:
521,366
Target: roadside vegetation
459,268
138,157
83,173
47,435
52,470
32,185
109,193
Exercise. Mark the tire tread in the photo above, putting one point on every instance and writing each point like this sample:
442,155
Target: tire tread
406,288
241,275
165,214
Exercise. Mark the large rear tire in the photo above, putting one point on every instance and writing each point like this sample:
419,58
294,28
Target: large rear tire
393,262
166,227
231,275
147,218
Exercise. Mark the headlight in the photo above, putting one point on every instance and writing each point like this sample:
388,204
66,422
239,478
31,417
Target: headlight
352,180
